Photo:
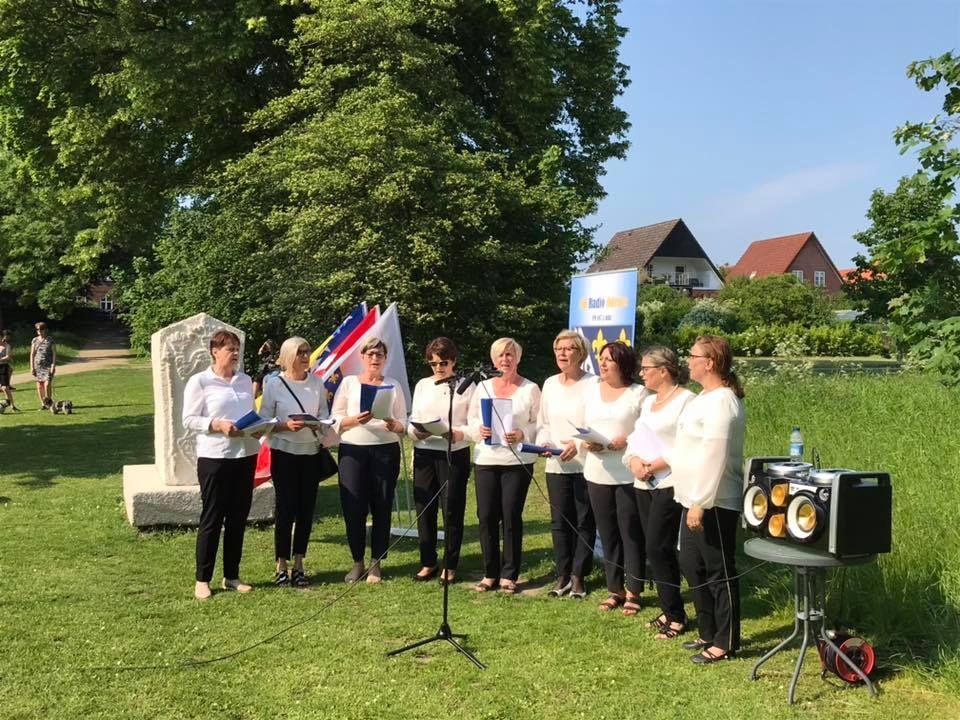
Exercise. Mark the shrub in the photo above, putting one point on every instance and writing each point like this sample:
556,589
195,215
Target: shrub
711,313
776,300
659,311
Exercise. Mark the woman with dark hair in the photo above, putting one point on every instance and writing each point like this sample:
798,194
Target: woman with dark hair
706,465
502,475
226,460
663,376
43,364
612,407
296,455
369,459
432,475
571,517
6,357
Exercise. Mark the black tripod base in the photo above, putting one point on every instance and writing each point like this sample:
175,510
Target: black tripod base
443,633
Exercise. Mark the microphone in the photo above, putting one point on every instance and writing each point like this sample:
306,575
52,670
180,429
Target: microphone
468,380
480,372
452,380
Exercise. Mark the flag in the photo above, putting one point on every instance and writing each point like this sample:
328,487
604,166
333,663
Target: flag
343,330
387,328
329,367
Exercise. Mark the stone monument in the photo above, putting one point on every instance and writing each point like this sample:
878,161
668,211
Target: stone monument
167,492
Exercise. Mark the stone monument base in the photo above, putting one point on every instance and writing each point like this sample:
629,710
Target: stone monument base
150,503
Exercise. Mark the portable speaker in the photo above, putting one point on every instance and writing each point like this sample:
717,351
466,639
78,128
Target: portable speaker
842,512
766,484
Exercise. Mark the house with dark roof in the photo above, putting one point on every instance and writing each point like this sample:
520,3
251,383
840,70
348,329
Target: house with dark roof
800,254
666,252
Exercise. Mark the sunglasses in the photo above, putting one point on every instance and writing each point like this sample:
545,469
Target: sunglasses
438,363
304,351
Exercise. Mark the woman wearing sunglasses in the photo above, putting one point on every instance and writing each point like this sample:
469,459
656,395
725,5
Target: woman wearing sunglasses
435,482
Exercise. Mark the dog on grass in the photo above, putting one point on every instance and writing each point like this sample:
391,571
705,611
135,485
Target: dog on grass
62,407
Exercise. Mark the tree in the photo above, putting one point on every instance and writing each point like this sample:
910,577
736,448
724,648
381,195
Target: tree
775,300
437,154
913,242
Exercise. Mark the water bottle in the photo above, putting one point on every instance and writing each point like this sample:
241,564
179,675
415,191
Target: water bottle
796,444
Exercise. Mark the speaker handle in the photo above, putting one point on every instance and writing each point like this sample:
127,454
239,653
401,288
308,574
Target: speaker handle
850,479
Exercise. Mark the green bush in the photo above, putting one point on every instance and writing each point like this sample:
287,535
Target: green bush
776,300
659,311
711,313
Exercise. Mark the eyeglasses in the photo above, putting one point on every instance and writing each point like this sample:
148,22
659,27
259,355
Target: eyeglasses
650,367
375,354
438,363
304,351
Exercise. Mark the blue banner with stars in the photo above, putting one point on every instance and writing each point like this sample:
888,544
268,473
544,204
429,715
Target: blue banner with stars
603,308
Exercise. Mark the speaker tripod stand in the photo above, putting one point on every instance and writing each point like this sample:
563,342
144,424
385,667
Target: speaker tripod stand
444,632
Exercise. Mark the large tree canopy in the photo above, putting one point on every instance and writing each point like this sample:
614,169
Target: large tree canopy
914,251
439,154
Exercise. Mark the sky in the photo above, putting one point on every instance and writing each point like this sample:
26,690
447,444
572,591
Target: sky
758,118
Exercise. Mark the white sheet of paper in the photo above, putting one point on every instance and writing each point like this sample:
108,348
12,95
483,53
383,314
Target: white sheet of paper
502,420
646,445
434,426
383,404
589,435
261,426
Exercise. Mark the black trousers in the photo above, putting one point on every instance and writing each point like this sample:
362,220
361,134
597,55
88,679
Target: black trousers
501,495
430,474
709,564
660,517
368,479
295,481
618,522
571,524
226,491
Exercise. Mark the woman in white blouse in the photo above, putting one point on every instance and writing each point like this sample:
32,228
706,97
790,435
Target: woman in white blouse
612,409
571,517
502,474
660,514
706,466
432,474
295,454
213,400
369,460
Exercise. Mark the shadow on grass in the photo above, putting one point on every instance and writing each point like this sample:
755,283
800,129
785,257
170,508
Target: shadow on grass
87,450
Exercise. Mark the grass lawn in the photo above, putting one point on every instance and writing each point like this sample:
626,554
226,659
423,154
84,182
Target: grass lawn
81,589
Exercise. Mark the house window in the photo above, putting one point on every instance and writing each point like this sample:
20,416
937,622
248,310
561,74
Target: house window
819,278
106,303
798,274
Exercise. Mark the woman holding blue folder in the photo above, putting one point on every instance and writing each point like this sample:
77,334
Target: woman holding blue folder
502,474
369,456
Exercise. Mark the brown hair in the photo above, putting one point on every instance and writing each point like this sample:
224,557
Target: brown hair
666,358
373,343
40,326
221,338
442,347
717,349
624,357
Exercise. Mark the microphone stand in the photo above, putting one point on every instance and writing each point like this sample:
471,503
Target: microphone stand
444,632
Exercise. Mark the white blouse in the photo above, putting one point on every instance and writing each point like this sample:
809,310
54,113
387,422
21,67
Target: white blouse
663,422
433,401
561,405
346,403
707,457
526,406
208,397
611,419
278,402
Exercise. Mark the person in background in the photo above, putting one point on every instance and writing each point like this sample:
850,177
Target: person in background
6,371
706,463
502,474
268,365
571,517
369,459
43,364
213,400
660,515
612,407
432,475
295,455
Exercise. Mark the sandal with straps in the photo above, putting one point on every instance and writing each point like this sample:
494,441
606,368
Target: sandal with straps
658,622
611,603
669,632
631,605
482,587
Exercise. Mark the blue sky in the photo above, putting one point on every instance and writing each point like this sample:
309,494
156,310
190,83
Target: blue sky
755,118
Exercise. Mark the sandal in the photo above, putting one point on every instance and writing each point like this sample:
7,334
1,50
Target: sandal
483,586
631,605
669,631
706,657
299,579
508,587
658,622
281,578
611,603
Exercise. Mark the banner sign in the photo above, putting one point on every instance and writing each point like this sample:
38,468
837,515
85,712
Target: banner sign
603,307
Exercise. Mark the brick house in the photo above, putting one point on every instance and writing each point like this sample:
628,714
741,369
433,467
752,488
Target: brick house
801,255
98,295
665,252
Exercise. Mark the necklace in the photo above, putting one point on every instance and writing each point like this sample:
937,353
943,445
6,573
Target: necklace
660,401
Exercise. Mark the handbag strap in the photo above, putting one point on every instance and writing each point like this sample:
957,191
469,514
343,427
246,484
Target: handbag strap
299,404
